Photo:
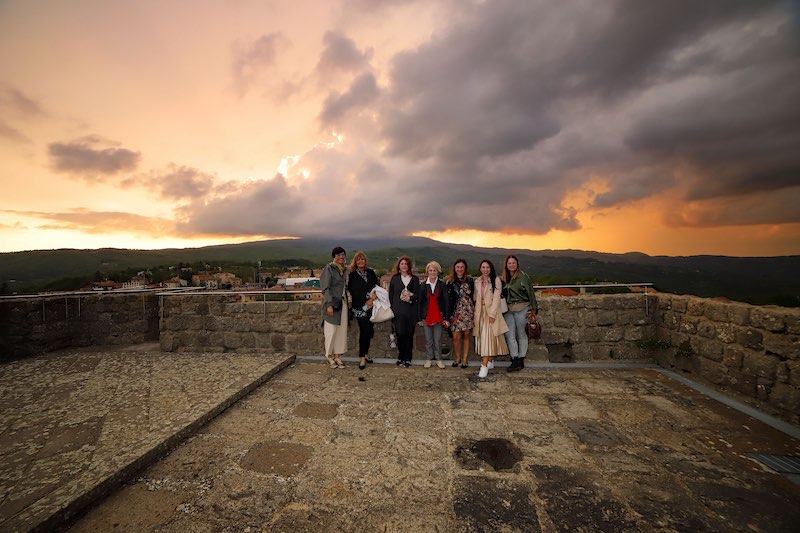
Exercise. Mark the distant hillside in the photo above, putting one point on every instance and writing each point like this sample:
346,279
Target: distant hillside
753,279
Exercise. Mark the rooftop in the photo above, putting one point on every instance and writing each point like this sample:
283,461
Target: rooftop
281,443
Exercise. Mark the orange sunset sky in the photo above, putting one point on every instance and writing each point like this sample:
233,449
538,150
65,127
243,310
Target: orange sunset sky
664,127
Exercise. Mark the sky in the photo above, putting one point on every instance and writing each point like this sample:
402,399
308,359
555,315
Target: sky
663,127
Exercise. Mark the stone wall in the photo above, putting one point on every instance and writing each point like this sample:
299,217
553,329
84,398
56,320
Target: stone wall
751,350
41,324
585,328
748,350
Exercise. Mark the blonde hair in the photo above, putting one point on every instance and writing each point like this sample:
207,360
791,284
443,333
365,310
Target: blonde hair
358,255
435,265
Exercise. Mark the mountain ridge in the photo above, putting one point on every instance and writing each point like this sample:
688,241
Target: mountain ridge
753,279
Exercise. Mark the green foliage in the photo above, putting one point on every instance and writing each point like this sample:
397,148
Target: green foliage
684,350
653,344
757,280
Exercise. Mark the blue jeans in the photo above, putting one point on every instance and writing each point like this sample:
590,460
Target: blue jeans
433,341
516,338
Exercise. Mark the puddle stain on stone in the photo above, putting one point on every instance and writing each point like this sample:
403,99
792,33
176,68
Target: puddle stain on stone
594,433
322,411
489,504
501,454
280,458
574,504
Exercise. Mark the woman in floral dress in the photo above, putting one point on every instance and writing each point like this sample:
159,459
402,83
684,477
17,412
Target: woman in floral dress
461,288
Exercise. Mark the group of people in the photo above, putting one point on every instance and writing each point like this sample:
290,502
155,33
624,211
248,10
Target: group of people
492,308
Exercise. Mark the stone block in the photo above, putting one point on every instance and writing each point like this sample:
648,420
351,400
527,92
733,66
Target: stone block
768,318
216,339
260,324
793,323
569,319
733,356
278,342
760,365
726,332
785,345
670,320
593,334
706,348
586,302
241,324
167,342
713,371
633,316
750,338
742,382
782,372
557,335
793,369
689,325
679,304
739,313
717,311
280,308
696,307
637,333
786,397
614,334
233,340
706,329
606,318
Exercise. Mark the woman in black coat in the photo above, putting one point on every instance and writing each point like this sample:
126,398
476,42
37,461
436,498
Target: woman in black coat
403,296
360,283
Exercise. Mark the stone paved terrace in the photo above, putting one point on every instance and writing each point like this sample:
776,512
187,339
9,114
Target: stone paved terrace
315,449
74,424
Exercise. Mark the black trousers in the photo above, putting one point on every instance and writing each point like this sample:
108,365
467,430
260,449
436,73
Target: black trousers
404,329
366,330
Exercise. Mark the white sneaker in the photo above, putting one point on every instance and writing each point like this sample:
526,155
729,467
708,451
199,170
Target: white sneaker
439,364
491,364
427,363
484,371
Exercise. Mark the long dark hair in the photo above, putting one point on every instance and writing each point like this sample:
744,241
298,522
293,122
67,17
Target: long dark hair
492,274
506,272
453,275
396,270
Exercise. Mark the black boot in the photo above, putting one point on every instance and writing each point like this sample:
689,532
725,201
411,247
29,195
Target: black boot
514,364
521,363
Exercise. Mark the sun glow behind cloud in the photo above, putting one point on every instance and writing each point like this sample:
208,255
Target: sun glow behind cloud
638,131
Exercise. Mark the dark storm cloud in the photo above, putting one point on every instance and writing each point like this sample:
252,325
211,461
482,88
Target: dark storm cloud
184,182
268,206
342,54
250,61
88,158
362,92
494,121
174,182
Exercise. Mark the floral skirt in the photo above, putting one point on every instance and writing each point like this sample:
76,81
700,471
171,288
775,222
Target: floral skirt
464,317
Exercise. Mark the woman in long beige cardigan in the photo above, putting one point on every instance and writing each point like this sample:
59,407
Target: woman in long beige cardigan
489,324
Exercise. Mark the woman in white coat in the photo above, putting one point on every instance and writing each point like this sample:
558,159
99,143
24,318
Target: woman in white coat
490,327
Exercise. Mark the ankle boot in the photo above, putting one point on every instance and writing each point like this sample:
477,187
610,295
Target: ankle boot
513,365
521,363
